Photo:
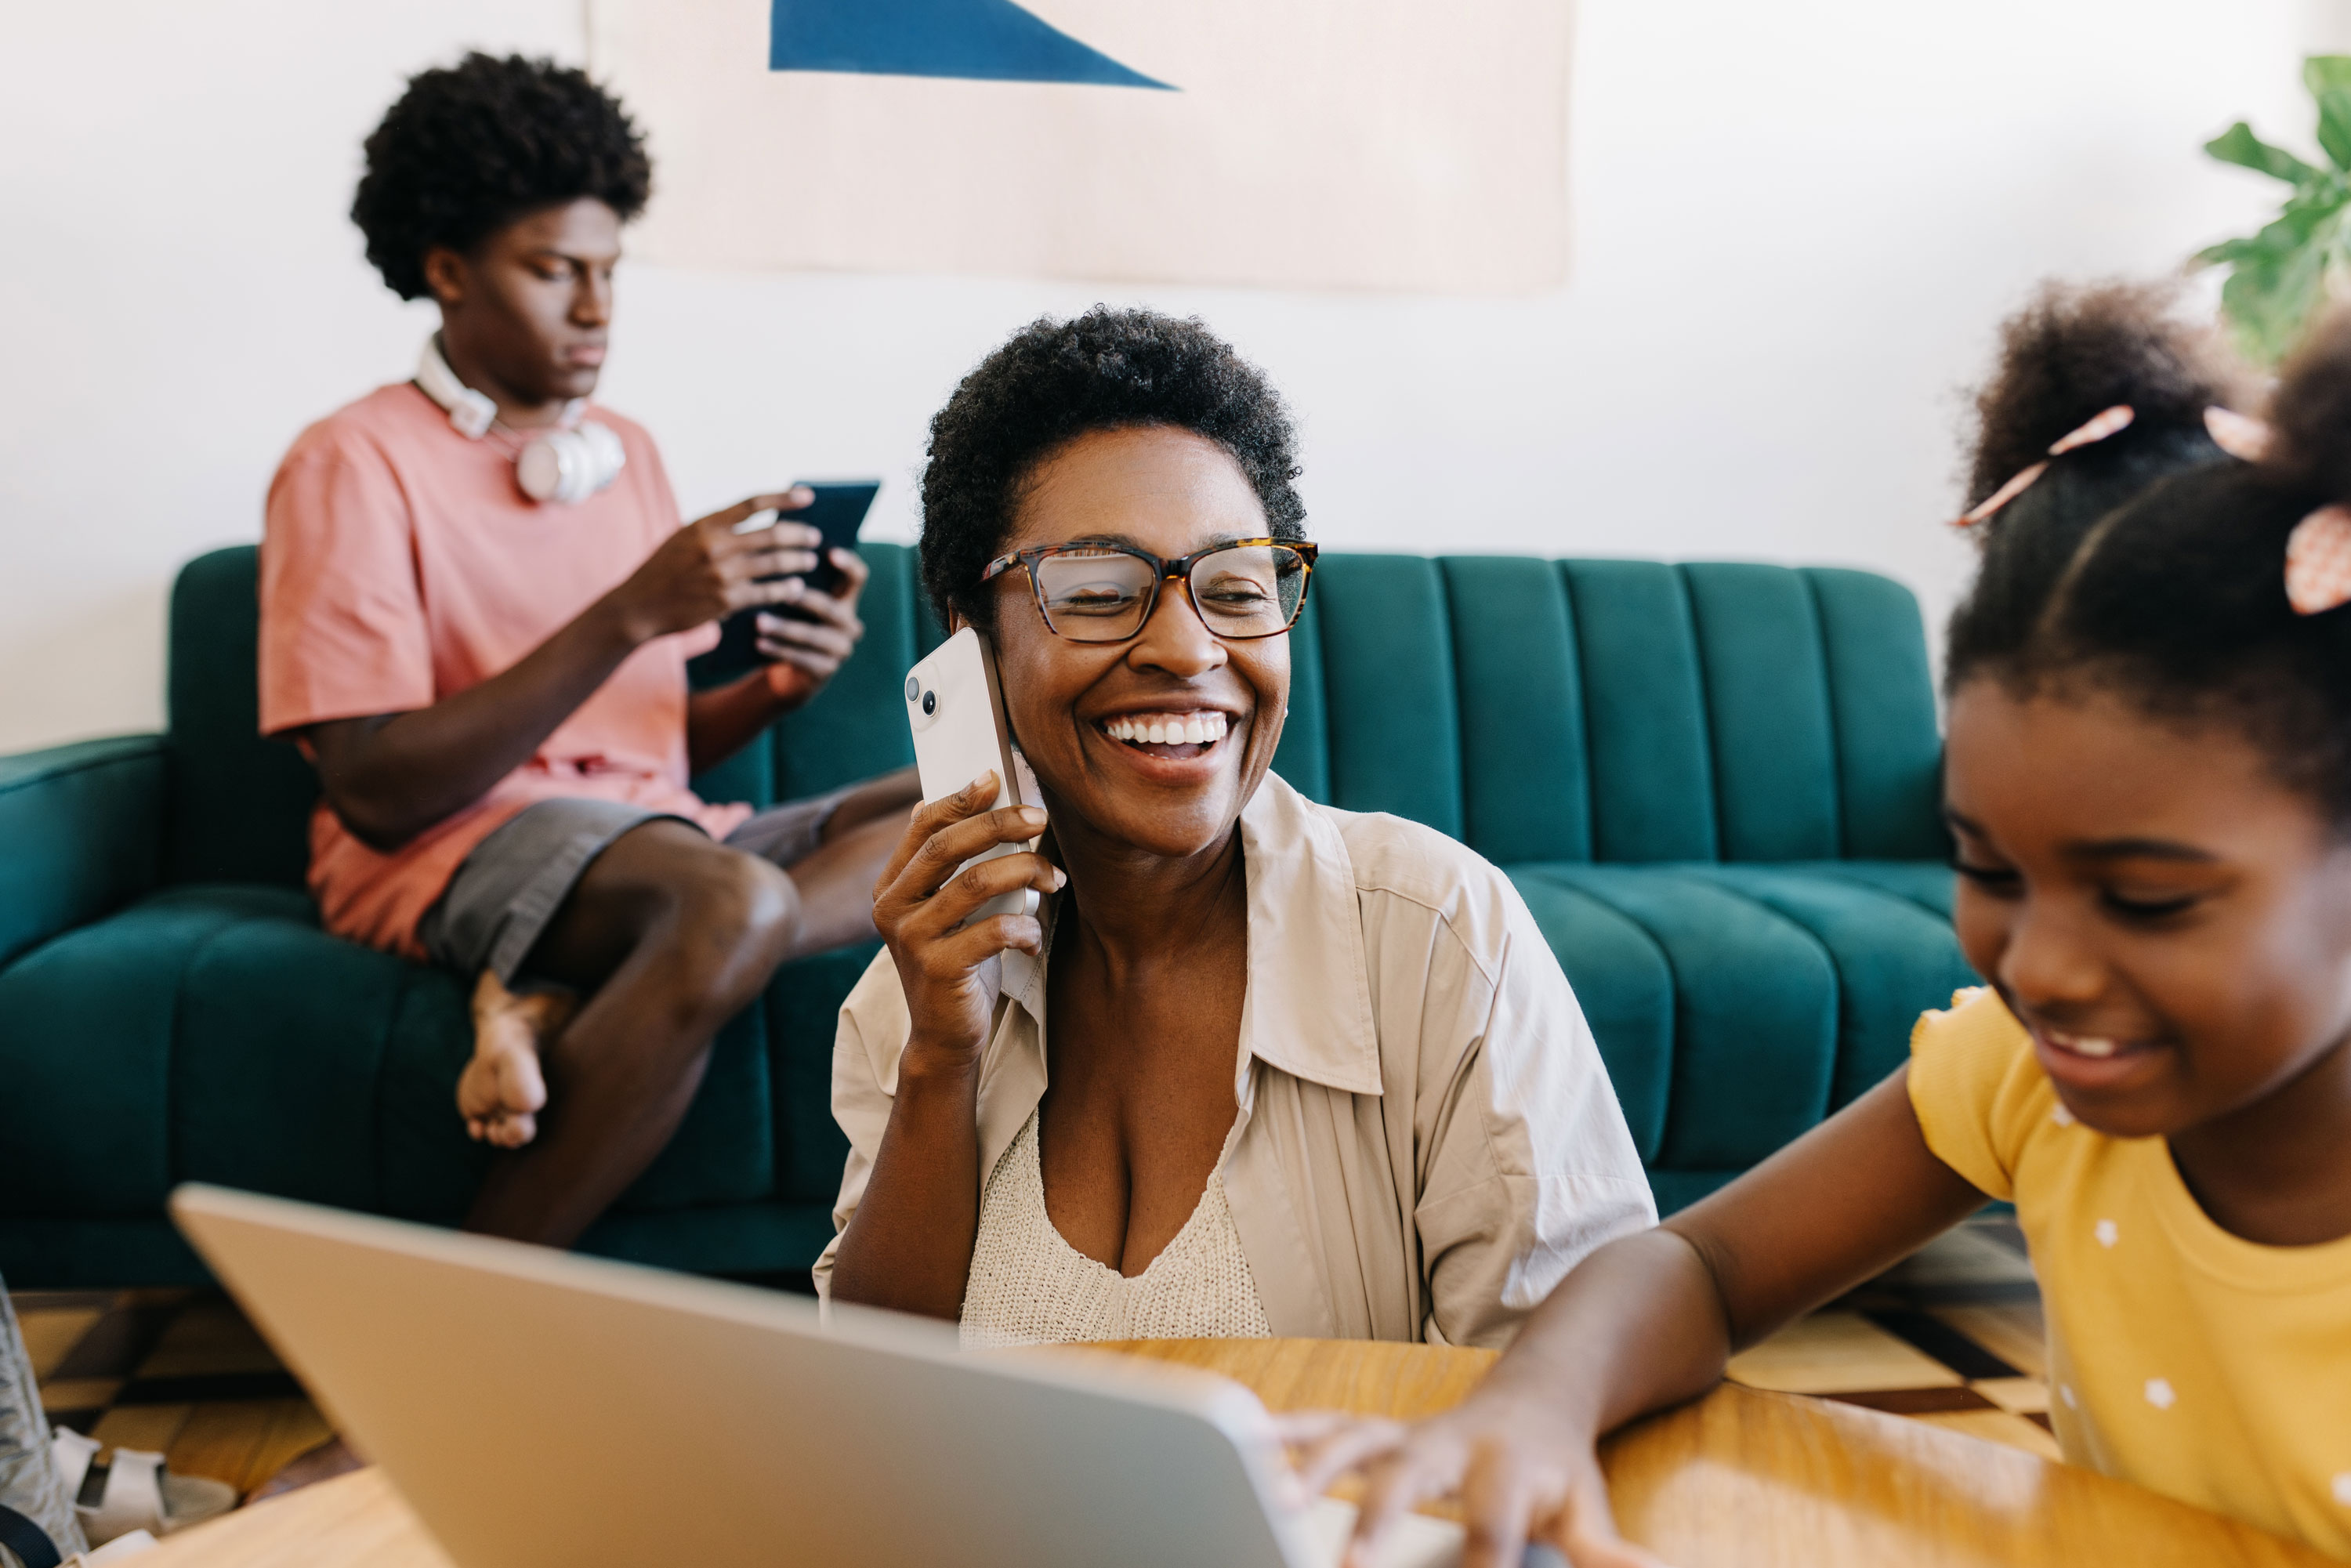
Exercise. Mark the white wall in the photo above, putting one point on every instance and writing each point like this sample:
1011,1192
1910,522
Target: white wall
1796,224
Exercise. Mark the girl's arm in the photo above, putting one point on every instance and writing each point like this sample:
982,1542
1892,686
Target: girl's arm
1648,1321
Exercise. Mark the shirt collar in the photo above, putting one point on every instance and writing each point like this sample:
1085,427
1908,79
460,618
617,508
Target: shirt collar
1308,1010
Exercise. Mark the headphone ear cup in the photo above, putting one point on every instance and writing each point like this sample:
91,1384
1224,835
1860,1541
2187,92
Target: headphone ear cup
540,467
569,466
606,456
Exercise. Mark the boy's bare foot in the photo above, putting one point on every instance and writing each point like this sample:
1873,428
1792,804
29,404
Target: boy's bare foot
330,1459
502,1089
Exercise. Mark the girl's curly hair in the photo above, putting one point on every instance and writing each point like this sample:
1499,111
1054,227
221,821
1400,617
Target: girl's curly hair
2172,595
2076,351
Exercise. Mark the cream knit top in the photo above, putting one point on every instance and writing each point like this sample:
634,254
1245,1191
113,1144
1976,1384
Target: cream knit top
1028,1286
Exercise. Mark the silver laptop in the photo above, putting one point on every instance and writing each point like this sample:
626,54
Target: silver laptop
535,1408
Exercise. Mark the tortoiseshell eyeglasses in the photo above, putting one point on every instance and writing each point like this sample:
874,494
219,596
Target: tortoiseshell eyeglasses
1099,591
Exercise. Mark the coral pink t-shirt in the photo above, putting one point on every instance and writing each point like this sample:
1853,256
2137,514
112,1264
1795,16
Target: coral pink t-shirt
400,565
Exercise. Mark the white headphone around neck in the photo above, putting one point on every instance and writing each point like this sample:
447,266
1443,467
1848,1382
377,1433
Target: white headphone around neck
568,463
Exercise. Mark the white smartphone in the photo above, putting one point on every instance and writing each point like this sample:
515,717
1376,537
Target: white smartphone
956,712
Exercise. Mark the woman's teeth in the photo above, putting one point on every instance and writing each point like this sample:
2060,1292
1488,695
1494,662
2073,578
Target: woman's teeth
2084,1045
1204,728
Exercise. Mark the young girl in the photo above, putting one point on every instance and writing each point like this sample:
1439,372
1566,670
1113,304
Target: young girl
2149,786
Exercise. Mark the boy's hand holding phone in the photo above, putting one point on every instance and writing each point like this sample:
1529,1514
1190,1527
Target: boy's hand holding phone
708,570
805,649
800,633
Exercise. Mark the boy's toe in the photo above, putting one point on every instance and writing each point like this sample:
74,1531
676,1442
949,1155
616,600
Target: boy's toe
515,1129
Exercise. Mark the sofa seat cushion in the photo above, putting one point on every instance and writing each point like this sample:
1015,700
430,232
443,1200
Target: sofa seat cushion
1927,884
213,1033
1738,1005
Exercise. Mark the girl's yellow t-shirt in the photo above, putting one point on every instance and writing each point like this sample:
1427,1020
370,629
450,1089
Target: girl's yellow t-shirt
2185,1359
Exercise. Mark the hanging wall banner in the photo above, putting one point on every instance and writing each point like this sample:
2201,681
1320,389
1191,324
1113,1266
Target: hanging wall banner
1390,144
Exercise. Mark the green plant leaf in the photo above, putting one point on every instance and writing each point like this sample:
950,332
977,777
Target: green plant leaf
2269,296
2310,208
2228,251
2328,77
2278,277
2239,145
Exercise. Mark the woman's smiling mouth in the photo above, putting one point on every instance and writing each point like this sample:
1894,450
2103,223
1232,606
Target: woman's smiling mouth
1171,735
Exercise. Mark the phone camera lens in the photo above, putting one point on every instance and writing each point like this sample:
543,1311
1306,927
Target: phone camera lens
930,703
914,687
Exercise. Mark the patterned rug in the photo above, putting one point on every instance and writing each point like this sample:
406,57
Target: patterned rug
1953,1337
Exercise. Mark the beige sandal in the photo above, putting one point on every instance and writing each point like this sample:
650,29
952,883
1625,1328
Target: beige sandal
139,1493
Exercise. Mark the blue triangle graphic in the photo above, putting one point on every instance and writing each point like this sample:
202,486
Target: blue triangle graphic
986,40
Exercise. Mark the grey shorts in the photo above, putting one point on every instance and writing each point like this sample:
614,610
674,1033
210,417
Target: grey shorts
498,904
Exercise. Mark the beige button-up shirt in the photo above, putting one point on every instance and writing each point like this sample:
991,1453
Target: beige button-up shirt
1427,1140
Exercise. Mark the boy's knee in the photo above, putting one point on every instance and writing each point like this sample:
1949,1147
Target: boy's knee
743,906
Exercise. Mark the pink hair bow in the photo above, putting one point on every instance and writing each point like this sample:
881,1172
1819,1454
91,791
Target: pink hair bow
2318,562
2319,551
2240,436
2097,428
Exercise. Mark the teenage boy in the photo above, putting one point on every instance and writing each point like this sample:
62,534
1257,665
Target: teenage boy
493,686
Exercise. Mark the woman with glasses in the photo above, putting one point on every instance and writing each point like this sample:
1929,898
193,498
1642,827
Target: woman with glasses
1255,1066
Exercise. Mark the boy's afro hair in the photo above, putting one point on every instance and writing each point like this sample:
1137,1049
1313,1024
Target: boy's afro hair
470,148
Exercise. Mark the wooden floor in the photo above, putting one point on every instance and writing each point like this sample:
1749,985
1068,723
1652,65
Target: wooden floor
179,1371
1952,1337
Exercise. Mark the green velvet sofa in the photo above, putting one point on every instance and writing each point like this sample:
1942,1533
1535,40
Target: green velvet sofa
1716,786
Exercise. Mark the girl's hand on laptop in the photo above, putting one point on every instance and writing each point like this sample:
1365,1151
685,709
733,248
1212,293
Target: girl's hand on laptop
948,974
707,571
803,655
1525,1470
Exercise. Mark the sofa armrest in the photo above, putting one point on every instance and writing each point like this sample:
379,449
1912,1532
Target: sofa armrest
81,834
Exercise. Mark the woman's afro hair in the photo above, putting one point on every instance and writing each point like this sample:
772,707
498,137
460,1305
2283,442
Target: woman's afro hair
470,148
2174,599
1053,381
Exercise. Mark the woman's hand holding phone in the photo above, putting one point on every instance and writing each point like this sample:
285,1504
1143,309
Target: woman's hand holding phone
908,1245
922,903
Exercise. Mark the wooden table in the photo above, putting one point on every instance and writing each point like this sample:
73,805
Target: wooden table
1739,1477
